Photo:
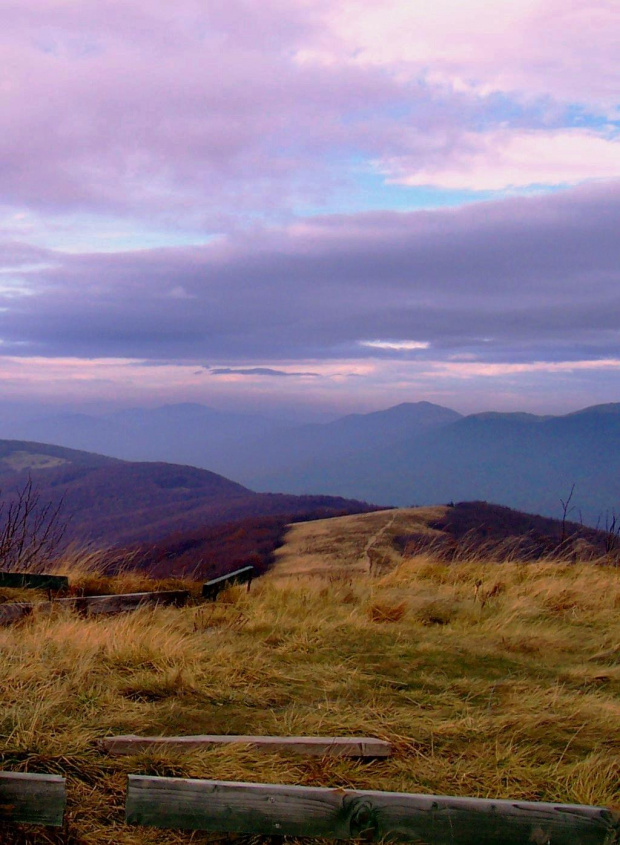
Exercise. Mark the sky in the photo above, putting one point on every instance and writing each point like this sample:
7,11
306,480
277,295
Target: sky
309,207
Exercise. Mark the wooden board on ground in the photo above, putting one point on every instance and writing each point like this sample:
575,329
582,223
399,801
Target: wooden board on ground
338,746
265,809
244,575
96,605
34,581
93,605
32,799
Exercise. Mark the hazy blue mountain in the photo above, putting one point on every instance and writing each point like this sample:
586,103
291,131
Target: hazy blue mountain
74,431
530,464
185,433
310,455
414,453
519,460
246,447
299,451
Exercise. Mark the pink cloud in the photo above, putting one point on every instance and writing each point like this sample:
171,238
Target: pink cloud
565,49
209,114
132,106
513,159
210,110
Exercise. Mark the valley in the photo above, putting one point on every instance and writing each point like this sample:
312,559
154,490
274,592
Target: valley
415,453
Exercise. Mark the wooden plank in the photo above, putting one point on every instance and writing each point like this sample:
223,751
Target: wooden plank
223,807
11,612
239,576
97,605
336,746
32,581
32,799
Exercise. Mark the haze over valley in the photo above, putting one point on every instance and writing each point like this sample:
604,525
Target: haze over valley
414,453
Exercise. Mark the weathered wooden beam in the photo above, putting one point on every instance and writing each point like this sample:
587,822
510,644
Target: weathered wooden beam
336,746
223,807
33,581
32,799
96,605
239,576
92,605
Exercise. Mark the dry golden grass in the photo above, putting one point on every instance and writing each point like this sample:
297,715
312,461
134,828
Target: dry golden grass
490,680
28,460
350,545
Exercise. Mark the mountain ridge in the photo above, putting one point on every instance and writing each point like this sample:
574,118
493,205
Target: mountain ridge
110,501
411,453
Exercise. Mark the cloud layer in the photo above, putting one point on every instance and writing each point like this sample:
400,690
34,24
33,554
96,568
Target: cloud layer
207,112
524,279
258,136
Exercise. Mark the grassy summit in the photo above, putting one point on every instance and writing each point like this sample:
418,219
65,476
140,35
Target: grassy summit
491,680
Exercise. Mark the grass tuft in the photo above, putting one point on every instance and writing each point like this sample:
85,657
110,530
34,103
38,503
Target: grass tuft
387,612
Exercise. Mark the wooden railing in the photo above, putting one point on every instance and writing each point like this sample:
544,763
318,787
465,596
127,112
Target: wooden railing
11,612
92,605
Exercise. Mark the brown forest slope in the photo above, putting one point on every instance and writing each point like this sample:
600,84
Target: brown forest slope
114,502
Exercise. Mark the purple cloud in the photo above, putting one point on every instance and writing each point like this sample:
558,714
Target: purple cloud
257,371
518,280
226,123
217,111
129,109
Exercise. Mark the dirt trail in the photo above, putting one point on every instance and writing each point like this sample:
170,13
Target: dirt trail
347,546
374,540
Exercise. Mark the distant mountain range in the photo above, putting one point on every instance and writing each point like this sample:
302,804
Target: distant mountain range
187,433
113,502
522,461
414,453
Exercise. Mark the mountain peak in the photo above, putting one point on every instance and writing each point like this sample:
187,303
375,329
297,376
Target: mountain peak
418,411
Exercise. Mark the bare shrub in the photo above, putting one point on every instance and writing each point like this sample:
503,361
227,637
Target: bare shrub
31,531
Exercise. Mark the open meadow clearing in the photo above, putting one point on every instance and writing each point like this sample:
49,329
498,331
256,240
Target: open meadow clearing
490,680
